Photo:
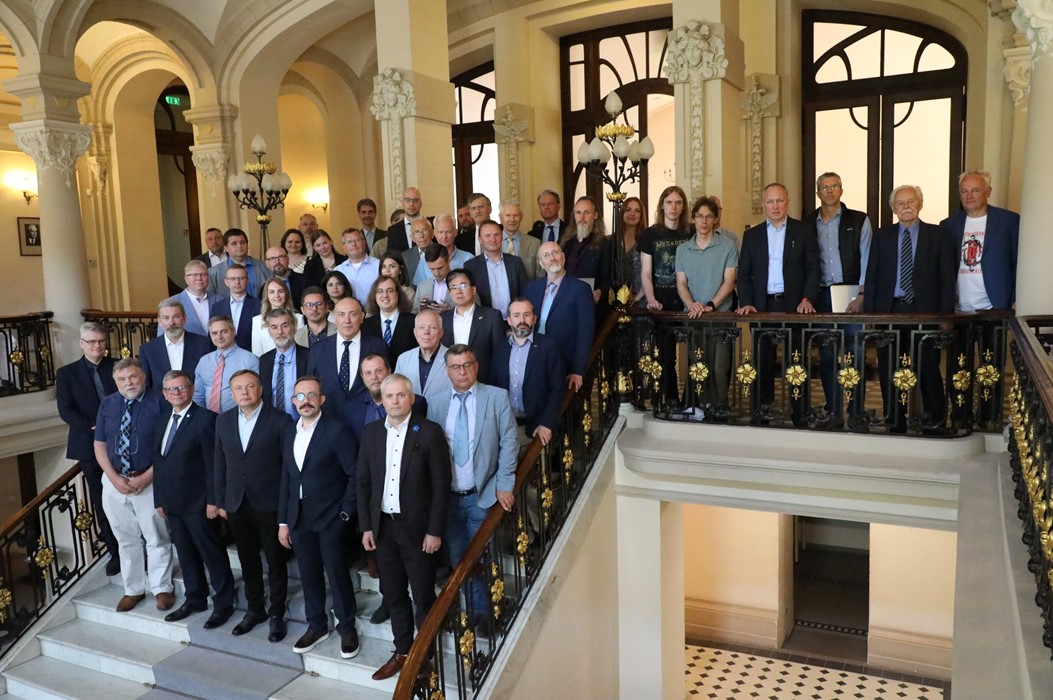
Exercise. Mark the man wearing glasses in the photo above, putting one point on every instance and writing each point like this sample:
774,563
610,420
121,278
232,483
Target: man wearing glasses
316,318
277,262
78,406
479,327
196,300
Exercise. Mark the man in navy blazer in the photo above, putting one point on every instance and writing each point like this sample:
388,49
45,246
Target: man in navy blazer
368,406
479,327
174,343
336,359
238,305
315,502
287,356
196,300
185,496
248,481
79,389
507,270
569,317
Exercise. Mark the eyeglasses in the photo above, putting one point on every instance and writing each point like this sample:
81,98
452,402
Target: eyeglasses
829,188
462,286
196,274
313,304
276,258
464,365
179,389
93,342
301,396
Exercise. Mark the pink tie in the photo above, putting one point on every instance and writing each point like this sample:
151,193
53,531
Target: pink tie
216,390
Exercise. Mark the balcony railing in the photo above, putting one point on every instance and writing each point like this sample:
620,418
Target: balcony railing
128,330
935,375
45,548
28,362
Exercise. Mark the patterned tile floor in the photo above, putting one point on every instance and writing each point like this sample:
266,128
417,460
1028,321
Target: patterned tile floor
723,674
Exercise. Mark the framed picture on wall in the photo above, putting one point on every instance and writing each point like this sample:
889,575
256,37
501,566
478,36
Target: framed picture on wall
28,236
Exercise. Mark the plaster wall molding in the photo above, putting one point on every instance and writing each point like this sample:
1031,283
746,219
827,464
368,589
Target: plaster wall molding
393,100
759,101
1034,19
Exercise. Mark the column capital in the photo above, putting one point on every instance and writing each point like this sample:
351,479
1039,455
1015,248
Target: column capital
212,123
393,96
1016,69
1034,19
695,53
211,162
1001,9
52,143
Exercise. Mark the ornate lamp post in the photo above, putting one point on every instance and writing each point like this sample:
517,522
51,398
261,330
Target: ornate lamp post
259,189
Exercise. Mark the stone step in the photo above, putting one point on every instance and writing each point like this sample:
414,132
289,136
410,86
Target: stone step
314,687
44,678
214,675
128,655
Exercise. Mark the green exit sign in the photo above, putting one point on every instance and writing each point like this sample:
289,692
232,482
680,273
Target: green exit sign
173,100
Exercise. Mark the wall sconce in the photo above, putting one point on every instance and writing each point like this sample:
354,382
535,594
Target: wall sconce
318,198
20,181
29,196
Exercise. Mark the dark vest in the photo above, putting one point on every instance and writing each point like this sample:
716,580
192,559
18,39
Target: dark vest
851,228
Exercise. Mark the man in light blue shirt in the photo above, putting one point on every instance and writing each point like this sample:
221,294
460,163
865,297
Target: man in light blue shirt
220,365
360,268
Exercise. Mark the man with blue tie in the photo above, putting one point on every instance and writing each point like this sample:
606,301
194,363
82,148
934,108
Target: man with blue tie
175,348
481,431
185,496
214,370
126,434
78,407
549,228
280,367
240,306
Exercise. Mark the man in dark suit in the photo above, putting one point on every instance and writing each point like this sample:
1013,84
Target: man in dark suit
790,286
79,389
277,262
390,322
406,526
175,345
280,367
335,359
185,496
315,503
480,207
214,254
911,271
376,238
499,277
369,406
567,314
238,305
400,235
250,442
549,228
479,327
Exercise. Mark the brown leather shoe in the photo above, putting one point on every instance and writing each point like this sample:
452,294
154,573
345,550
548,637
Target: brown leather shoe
371,567
128,602
165,601
393,666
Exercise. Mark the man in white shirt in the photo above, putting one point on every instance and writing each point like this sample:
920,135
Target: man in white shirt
360,268
175,349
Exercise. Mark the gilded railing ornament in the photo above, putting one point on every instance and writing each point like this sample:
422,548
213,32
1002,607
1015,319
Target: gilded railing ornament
522,541
466,643
586,423
433,686
45,352
624,295
568,460
44,557
962,379
904,379
625,385
546,493
84,520
497,589
5,600
796,375
125,352
987,376
746,374
16,357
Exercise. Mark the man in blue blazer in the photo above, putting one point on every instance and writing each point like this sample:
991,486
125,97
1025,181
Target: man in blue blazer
368,406
238,305
196,300
566,312
480,428
507,270
479,327
79,389
187,348
316,501
185,496
336,359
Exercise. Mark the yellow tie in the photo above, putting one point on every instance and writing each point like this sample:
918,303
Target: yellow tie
510,246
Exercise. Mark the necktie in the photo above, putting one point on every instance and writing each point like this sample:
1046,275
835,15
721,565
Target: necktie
546,305
124,438
171,434
906,268
279,384
387,331
215,392
550,235
460,431
510,246
98,382
345,367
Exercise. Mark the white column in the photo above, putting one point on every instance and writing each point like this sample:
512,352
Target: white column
213,154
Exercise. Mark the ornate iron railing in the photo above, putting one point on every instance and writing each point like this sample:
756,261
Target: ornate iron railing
28,361
128,330
1031,452
45,548
937,375
453,653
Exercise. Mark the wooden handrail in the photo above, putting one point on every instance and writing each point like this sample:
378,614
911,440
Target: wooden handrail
92,314
1036,360
28,508
30,316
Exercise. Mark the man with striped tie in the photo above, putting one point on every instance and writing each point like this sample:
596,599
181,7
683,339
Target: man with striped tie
282,366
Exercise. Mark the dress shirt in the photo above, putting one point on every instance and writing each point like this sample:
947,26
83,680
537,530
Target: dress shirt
394,318
200,308
517,362
463,474
506,237
301,442
354,355
830,249
551,232
290,378
250,270
217,259
374,411
247,425
776,244
439,291
462,324
175,351
396,439
234,359
236,305
361,276
497,274
913,230
425,367
458,258
172,424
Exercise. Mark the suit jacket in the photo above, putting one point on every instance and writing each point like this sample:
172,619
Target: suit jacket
397,237
935,270
467,239
800,266
301,333
184,479
249,310
424,478
425,290
297,282
402,338
571,320
538,229
488,329
327,480
314,270
1001,243
217,286
253,473
495,450
267,371
78,404
380,242
528,249
408,365
154,357
322,363
205,258
193,325
544,380
355,412
514,269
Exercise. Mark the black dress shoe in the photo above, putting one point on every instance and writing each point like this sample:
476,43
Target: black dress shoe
184,611
277,629
250,620
349,644
218,618
381,614
310,639
113,566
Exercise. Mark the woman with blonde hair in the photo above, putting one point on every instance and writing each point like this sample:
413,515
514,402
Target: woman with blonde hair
275,295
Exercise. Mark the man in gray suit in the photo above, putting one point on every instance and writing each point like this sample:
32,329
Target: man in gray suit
236,243
481,429
424,365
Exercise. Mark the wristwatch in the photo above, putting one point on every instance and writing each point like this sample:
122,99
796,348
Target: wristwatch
711,306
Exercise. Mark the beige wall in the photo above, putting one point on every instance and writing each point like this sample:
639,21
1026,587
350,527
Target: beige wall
304,158
22,278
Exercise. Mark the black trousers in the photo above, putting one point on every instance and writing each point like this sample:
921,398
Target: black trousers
256,530
93,478
198,547
926,365
404,566
322,554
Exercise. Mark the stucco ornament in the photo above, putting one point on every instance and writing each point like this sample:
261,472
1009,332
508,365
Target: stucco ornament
53,144
757,102
694,55
1034,19
211,163
393,100
511,131
1016,70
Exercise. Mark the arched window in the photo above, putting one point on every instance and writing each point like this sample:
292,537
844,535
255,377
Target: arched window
475,166
884,105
